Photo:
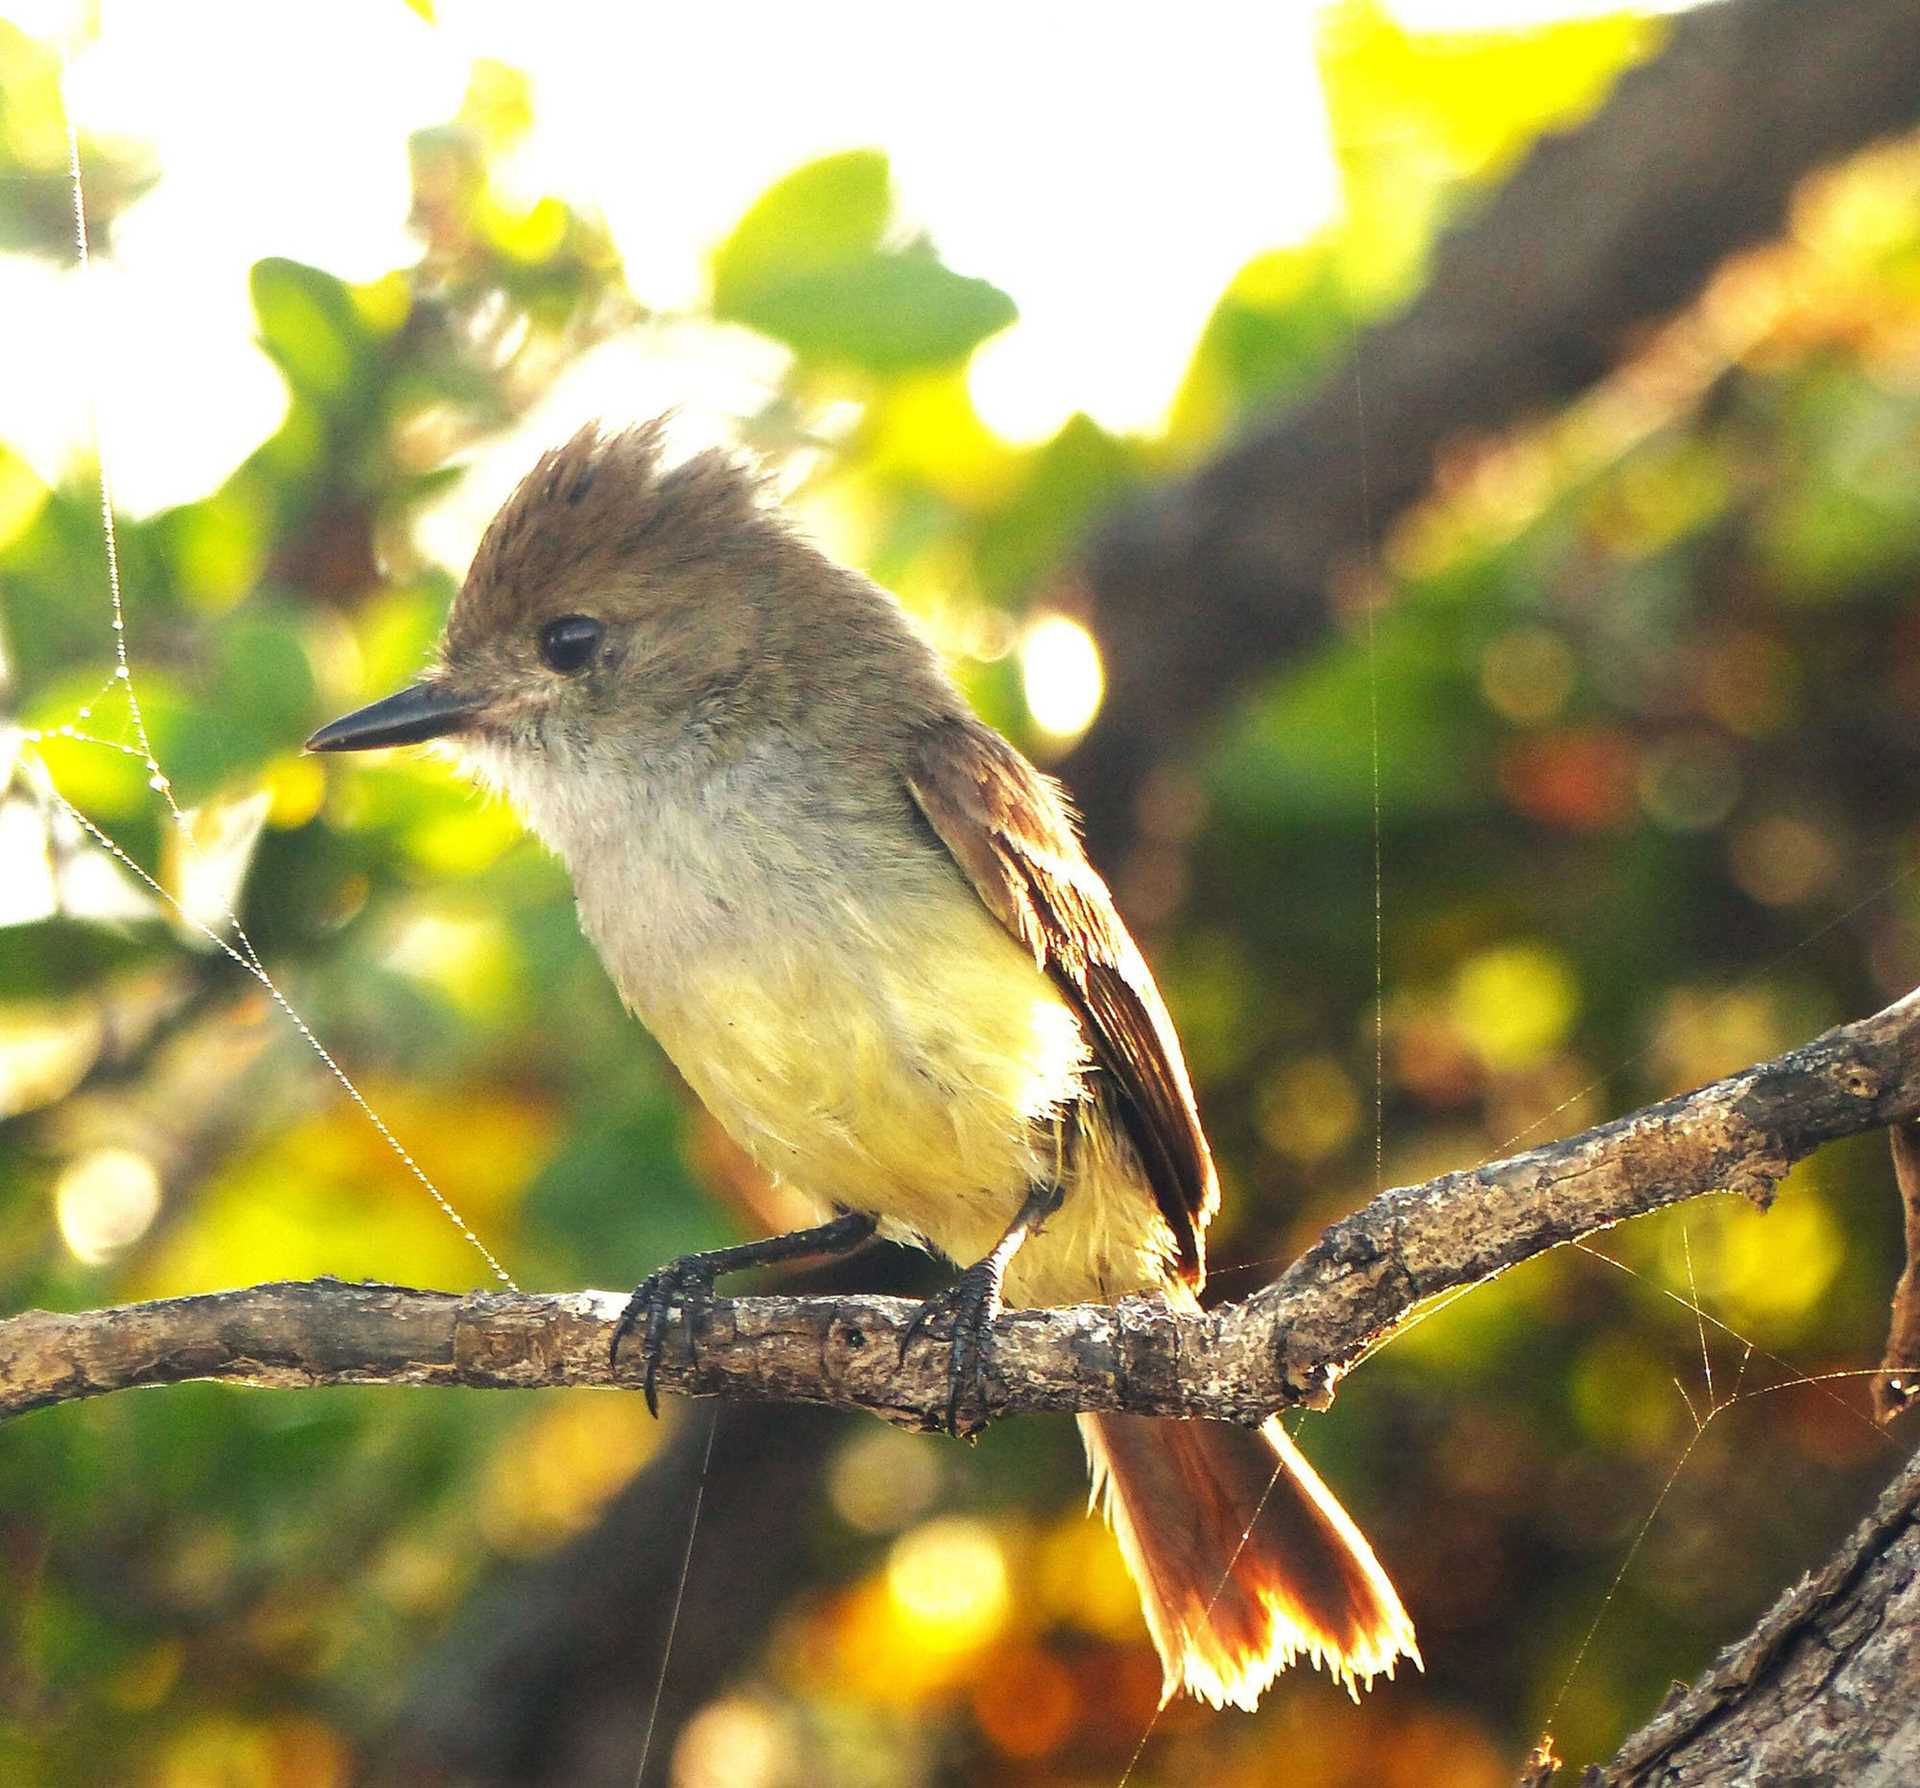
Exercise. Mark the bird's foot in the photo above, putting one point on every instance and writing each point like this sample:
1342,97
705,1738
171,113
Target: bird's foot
687,1282
964,1313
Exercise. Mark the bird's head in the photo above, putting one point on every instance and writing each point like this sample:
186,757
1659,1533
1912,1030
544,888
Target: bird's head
626,621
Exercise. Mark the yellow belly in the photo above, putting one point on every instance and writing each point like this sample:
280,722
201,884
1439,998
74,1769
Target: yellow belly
930,1080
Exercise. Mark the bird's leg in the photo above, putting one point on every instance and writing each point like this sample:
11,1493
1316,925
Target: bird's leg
689,1280
972,1301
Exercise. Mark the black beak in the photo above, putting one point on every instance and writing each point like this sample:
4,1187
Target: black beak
426,711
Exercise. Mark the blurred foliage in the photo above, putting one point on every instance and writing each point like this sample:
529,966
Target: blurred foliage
1648,716
37,218
807,266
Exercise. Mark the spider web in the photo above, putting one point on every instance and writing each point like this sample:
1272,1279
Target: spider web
225,932
1713,1398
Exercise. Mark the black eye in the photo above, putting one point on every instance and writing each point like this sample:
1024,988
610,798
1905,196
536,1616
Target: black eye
568,643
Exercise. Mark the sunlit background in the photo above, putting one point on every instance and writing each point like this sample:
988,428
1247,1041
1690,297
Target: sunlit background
1646,692
1113,180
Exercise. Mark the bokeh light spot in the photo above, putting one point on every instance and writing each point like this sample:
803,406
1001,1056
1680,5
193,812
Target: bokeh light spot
1309,1109
569,1460
1622,1394
733,1743
947,1583
1783,860
1759,1269
1025,1702
1527,675
1515,1003
105,1202
1689,784
44,1049
1061,677
881,1482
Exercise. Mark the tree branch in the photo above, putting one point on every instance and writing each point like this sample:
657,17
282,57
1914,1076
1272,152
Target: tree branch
1204,585
1286,1344
1820,1691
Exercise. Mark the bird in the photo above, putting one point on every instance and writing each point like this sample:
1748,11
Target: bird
864,928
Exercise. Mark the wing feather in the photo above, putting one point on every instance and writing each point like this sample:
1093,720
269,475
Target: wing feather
1011,832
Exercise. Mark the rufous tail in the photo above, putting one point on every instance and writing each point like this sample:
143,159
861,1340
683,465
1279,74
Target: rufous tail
1243,1559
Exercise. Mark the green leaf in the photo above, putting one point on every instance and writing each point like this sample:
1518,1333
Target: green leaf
886,313
309,324
255,702
1277,326
830,211
1305,749
806,266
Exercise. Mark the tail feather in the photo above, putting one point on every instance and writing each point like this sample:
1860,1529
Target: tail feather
1242,1557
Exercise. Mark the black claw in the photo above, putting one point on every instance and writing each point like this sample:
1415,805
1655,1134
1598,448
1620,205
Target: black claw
686,1281
689,1282
965,1310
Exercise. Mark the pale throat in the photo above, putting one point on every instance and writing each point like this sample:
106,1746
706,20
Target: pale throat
647,850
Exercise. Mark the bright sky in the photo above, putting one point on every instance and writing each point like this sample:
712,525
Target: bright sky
1109,167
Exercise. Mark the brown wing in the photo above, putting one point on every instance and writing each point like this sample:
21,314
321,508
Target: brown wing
1010,830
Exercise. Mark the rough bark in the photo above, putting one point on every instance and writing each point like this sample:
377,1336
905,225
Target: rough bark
1286,1344
1822,1691
1213,582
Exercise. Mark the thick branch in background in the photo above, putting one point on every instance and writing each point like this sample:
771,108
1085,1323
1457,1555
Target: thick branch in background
1213,582
1822,1690
1286,1344
537,1682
